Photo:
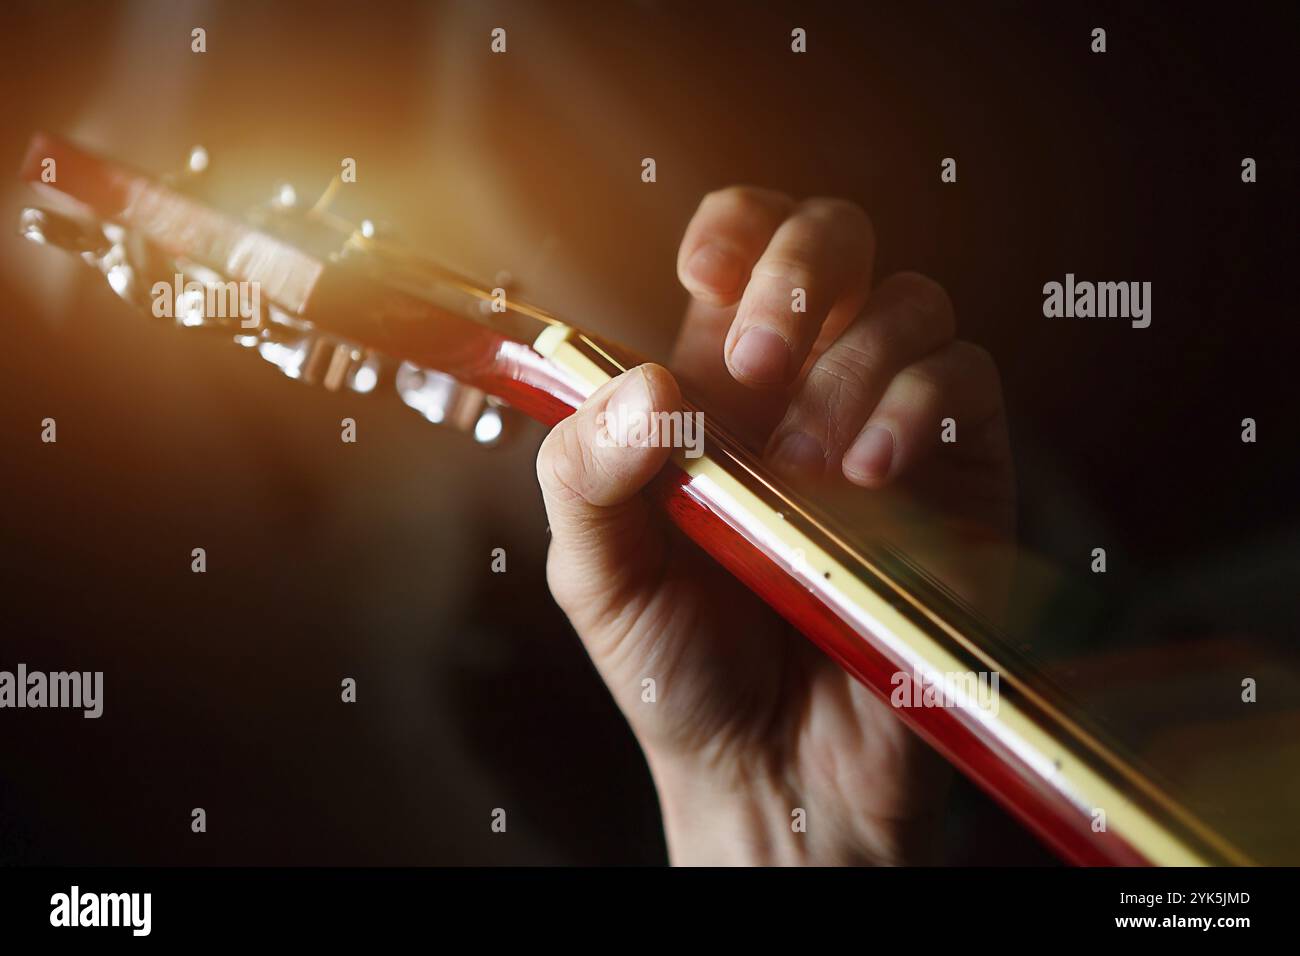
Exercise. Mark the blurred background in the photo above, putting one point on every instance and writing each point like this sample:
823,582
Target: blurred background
370,561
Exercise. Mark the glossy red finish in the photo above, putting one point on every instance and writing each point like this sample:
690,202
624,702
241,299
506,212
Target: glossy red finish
365,310
1000,774
344,301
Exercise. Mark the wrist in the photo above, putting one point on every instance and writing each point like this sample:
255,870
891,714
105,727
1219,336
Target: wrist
752,816
734,816
724,819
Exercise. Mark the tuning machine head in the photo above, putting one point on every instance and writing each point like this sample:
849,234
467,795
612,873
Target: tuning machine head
195,295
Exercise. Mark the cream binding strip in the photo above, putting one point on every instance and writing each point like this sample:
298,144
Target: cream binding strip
904,643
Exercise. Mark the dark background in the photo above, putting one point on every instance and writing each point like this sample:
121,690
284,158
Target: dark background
371,561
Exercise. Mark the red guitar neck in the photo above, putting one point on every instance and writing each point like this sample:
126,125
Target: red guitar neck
873,615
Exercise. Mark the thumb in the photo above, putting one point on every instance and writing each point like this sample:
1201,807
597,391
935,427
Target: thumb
591,467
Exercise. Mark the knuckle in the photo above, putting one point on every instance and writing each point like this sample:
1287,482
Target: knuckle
566,584
559,578
878,344
926,297
983,368
786,271
975,356
833,207
560,463
547,456
743,199
927,387
842,377
843,213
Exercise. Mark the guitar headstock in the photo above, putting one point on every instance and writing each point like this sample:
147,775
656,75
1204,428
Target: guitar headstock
328,302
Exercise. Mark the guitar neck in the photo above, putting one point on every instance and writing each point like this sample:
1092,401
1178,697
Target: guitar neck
867,607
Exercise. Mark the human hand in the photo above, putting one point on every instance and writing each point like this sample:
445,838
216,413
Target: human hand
845,398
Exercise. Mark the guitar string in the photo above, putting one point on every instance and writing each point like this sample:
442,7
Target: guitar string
438,272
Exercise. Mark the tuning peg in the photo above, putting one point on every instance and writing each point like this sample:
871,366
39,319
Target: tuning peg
191,178
284,197
316,359
444,400
197,163
106,247
195,296
490,426
55,229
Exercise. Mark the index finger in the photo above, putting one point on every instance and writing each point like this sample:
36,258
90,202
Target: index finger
726,236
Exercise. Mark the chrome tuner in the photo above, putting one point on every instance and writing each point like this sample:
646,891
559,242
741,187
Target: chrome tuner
193,295
444,400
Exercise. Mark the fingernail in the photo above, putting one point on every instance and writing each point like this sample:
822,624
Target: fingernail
870,456
761,356
628,410
799,455
714,268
